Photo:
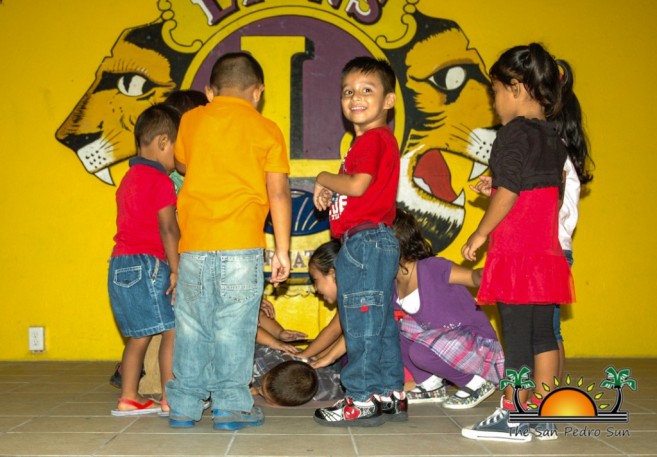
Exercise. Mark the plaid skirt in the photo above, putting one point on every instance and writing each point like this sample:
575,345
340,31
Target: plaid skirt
461,347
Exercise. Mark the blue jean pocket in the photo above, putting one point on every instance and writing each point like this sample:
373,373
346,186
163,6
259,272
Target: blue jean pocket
241,277
363,313
127,277
190,276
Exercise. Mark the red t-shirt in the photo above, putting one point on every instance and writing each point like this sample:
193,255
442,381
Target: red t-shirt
144,190
375,153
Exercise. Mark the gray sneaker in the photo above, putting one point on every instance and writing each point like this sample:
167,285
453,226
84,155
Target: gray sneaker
544,431
496,427
236,420
473,399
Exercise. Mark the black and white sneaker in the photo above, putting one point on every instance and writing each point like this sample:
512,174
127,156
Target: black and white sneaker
346,413
396,408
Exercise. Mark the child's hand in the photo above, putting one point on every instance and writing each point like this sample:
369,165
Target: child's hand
267,308
291,335
280,268
284,347
321,197
321,362
173,278
469,250
484,186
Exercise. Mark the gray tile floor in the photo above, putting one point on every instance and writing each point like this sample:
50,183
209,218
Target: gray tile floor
63,409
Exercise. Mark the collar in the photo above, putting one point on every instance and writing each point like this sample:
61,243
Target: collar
151,163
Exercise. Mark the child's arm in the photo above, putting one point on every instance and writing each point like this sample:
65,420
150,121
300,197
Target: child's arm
267,339
277,331
351,185
500,205
280,208
326,337
337,350
170,235
465,276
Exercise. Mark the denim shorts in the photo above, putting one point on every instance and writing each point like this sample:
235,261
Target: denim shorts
137,287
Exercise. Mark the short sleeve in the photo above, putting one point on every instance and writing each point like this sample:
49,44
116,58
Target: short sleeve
366,154
507,155
277,157
164,192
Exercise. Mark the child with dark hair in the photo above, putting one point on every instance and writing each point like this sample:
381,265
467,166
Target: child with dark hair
274,346
290,383
182,101
236,169
143,270
445,337
526,273
361,198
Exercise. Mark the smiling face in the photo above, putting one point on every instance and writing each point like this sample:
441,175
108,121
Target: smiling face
364,101
325,284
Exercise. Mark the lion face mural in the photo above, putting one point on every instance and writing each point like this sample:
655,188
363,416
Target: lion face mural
140,72
449,111
446,103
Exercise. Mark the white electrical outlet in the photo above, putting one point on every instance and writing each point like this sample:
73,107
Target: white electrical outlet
36,339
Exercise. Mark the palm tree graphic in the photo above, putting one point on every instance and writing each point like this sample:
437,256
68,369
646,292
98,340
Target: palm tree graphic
518,380
617,380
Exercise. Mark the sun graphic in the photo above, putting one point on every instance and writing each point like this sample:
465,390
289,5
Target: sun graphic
568,401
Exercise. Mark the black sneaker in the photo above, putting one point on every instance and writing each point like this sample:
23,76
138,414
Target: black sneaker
395,409
346,414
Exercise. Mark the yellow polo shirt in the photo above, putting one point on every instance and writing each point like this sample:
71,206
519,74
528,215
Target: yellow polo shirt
227,147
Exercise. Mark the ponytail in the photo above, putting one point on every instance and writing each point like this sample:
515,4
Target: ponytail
568,122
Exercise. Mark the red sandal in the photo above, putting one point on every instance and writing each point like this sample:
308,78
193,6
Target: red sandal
141,409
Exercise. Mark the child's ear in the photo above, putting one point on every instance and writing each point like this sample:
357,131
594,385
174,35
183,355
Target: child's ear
390,100
257,93
515,87
209,92
163,141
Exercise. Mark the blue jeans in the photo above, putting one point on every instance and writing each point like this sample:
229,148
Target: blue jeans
557,309
137,286
365,272
217,301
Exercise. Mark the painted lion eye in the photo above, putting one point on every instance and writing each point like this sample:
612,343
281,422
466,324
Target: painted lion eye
132,85
449,79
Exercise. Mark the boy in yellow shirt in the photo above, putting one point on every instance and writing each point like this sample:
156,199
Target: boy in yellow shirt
236,171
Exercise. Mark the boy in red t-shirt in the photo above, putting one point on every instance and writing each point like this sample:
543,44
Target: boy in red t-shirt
361,198
144,265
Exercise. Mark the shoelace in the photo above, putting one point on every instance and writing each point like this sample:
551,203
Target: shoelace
495,417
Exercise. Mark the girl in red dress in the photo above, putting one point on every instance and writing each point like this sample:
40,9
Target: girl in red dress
526,272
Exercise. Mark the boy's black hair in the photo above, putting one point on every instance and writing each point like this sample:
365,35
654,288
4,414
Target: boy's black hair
291,383
323,258
184,100
236,70
369,65
155,120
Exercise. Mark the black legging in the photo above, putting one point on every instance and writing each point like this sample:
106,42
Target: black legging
527,330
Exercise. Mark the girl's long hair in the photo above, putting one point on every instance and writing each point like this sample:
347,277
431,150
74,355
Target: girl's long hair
550,82
413,245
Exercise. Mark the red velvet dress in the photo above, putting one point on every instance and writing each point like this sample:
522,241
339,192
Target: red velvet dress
525,263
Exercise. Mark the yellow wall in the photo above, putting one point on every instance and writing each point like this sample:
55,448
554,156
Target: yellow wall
53,259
